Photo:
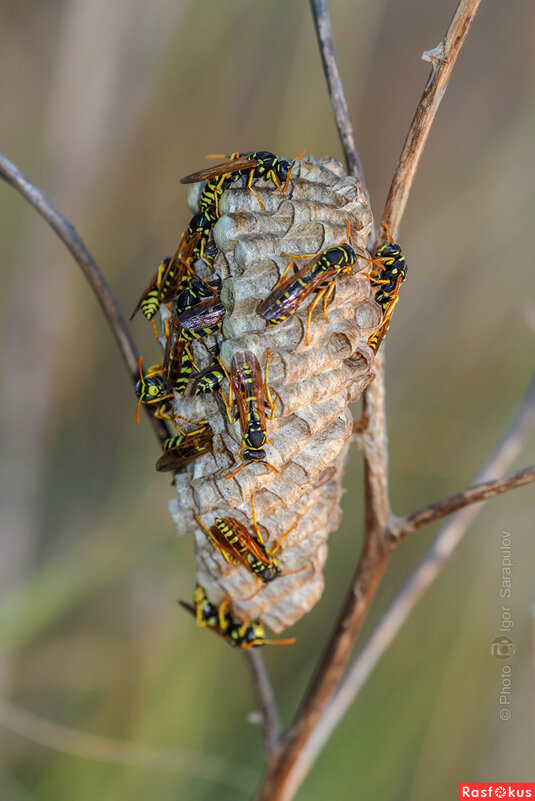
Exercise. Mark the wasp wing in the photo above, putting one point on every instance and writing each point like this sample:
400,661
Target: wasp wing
193,446
248,387
208,313
223,168
286,296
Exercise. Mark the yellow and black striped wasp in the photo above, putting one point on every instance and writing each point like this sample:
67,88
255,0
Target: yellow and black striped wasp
317,276
255,165
195,320
239,634
390,269
150,302
239,547
200,226
250,392
178,361
171,276
184,448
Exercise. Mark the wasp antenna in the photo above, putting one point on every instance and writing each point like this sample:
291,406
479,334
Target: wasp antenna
388,233
137,411
215,156
348,226
279,543
199,521
295,572
257,592
290,641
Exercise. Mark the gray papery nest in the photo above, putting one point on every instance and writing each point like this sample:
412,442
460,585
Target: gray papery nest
312,425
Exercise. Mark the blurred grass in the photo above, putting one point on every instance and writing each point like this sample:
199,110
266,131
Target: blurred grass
106,106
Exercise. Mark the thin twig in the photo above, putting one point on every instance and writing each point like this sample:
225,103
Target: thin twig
324,33
123,752
374,445
401,528
282,778
442,60
266,700
68,235
421,578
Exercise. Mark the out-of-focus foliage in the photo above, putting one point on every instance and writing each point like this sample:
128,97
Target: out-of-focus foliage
105,105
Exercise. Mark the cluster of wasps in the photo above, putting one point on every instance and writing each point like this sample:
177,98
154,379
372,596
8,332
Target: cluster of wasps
186,285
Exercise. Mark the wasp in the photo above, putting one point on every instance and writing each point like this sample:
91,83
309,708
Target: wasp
390,269
172,275
200,226
239,547
151,389
317,276
258,164
252,395
184,448
248,634
179,269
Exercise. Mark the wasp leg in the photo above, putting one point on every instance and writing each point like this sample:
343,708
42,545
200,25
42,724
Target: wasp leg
277,184
249,186
314,303
223,623
271,405
326,297
301,255
255,524
161,414
155,328
285,273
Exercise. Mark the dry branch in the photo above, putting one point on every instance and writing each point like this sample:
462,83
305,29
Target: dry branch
324,33
442,58
422,577
68,235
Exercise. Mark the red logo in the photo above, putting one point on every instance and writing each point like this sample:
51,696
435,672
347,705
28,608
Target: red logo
496,790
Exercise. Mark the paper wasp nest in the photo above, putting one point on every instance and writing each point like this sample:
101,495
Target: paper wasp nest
315,384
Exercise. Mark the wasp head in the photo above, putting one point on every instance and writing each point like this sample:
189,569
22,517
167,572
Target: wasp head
150,389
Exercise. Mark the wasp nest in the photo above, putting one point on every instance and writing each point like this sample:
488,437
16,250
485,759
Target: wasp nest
312,424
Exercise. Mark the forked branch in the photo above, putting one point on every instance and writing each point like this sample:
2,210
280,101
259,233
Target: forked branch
424,574
284,776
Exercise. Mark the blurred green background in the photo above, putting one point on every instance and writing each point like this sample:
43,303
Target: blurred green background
105,104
